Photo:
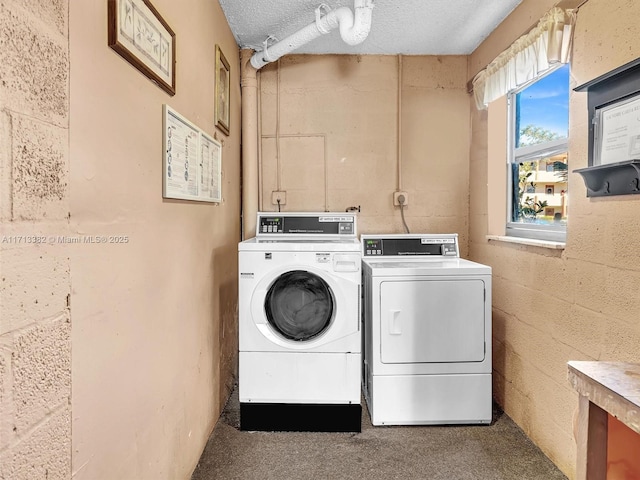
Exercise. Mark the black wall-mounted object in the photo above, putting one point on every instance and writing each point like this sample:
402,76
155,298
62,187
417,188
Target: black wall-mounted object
620,178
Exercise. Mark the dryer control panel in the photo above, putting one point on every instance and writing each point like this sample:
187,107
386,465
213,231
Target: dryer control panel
306,224
415,245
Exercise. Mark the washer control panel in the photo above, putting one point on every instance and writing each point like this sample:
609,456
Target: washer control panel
270,225
343,224
410,245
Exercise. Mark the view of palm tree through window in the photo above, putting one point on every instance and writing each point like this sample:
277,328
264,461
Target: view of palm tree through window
540,155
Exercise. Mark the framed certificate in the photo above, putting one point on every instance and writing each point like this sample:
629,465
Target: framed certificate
191,161
617,136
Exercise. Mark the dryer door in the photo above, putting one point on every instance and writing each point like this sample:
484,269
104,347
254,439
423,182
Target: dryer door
299,305
432,321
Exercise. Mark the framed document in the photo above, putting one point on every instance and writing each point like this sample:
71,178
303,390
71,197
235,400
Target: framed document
139,34
191,161
617,137
210,172
223,86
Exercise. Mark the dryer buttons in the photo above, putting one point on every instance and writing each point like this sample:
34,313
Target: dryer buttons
345,228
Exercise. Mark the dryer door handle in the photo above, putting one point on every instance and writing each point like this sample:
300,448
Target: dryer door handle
394,322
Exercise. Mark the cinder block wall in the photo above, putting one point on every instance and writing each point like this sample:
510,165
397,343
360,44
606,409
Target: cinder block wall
578,304
35,350
338,140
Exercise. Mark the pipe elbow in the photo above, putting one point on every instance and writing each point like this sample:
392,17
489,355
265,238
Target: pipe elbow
354,29
257,61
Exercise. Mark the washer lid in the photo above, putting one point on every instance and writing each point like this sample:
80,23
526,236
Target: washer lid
300,244
422,267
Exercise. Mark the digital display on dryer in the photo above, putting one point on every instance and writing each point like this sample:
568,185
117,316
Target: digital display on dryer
401,247
372,247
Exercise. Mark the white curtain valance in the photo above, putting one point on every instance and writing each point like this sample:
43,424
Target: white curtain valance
548,43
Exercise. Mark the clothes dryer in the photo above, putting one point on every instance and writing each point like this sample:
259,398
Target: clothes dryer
299,323
427,331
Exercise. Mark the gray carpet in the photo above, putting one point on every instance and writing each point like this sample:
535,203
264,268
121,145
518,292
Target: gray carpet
493,452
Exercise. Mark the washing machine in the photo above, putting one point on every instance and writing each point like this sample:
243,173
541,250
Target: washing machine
299,323
427,331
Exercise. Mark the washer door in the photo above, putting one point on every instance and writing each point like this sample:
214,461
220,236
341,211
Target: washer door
299,305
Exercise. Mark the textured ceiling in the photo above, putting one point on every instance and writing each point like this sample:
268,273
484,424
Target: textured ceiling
411,27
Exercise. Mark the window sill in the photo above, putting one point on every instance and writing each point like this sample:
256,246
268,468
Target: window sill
527,241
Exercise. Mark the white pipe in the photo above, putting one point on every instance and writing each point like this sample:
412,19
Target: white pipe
399,126
259,139
353,30
250,173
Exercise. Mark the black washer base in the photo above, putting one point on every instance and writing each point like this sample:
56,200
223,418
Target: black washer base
295,417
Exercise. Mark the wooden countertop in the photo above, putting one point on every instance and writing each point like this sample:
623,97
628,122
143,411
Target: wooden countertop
613,386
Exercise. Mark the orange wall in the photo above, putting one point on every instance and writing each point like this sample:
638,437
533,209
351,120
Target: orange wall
623,451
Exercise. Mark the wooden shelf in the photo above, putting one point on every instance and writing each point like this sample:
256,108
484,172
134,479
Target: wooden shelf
605,388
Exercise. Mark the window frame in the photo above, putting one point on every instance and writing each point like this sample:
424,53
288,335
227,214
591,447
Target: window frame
556,233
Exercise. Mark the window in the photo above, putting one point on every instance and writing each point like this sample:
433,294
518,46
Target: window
539,126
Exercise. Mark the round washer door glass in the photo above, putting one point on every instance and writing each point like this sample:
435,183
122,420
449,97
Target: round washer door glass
299,305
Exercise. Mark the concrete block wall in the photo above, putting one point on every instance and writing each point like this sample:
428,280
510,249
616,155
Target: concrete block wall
580,303
338,145
35,323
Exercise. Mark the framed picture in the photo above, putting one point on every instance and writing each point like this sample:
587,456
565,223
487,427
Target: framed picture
618,132
192,161
222,92
139,34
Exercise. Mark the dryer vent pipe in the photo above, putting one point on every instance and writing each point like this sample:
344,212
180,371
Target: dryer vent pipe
353,30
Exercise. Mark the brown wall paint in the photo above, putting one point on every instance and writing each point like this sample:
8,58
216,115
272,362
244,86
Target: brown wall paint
154,319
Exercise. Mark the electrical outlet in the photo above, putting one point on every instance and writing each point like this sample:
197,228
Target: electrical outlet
275,196
396,198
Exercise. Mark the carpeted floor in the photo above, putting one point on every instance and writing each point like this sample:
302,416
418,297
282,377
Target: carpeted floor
492,452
